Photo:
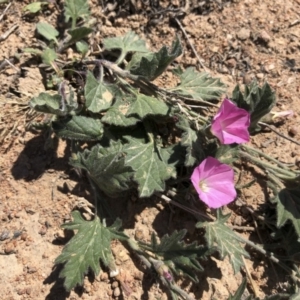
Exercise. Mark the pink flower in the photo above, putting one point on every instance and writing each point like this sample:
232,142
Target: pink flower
214,182
230,124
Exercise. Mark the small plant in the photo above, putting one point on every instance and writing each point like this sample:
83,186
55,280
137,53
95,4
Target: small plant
128,134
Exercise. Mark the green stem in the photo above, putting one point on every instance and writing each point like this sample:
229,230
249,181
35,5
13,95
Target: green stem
268,254
149,263
283,174
73,23
249,149
121,58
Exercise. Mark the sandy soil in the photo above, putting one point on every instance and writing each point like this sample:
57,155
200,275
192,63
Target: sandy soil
236,41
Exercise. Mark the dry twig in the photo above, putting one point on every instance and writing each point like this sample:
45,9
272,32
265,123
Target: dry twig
5,10
252,282
280,134
6,34
191,45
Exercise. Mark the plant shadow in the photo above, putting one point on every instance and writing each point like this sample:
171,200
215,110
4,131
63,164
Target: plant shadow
34,159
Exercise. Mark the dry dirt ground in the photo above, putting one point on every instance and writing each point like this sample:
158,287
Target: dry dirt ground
235,40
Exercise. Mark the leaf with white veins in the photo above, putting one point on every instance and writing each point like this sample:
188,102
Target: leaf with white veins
89,246
128,43
181,258
150,171
153,64
191,141
199,85
106,167
145,105
225,239
75,9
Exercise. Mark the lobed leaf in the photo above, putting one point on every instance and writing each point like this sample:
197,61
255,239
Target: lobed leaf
258,101
106,167
191,141
75,9
144,105
226,240
182,258
89,246
128,43
151,65
98,96
199,85
151,171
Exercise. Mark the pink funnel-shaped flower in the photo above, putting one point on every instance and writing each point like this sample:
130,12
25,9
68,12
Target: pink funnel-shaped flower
214,182
230,124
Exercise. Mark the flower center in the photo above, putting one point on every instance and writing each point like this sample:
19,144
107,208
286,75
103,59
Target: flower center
203,186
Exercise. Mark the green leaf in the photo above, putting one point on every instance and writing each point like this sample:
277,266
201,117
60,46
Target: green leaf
89,246
47,31
53,104
78,34
145,105
151,65
226,240
48,56
227,154
97,94
82,47
128,43
34,7
240,291
288,207
78,128
106,167
150,170
199,85
191,141
32,51
286,238
116,115
180,257
296,296
47,103
257,101
75,9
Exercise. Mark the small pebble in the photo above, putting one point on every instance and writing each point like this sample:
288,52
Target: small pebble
115,284
293,131
4,235
243,34
9,248
231,63
104,276
117,292
260,75
264,36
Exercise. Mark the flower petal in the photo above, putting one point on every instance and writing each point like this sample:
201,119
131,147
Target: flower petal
218,196
218,179
230,124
